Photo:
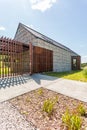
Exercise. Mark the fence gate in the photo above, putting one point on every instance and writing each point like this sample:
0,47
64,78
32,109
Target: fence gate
14,58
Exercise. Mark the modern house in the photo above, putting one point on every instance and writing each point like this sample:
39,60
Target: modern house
33,52
49,54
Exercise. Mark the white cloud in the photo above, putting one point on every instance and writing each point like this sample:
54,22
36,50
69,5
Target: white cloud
42,5
2,28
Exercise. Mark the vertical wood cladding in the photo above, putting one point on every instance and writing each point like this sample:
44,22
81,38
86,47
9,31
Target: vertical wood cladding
42,59
10,57
78,62
14,58
17,58
31,57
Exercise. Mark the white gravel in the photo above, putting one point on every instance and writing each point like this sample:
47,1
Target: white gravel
11,119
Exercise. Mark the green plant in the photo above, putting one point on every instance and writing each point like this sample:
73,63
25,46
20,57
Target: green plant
48,105
85,73
66,118
40,91
73,75
83,65
76,122
81,109
72,121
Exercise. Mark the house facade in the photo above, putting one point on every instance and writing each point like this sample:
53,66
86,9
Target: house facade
48,55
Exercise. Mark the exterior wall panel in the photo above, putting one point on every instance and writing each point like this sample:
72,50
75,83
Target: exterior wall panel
14,58
23,35
61,57
42,60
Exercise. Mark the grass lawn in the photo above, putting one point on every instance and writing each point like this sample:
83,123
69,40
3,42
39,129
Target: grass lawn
5,70
73,75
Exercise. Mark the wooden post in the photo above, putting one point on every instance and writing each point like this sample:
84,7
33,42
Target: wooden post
78,62
31,58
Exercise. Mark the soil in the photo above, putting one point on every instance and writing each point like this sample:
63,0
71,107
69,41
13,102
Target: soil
30,105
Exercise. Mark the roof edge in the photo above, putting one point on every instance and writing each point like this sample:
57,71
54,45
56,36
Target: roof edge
66,48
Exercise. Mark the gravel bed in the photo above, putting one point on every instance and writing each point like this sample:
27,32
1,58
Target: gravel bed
11,119
25,112
30,105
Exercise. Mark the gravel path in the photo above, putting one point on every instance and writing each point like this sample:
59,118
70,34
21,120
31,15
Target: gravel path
11,119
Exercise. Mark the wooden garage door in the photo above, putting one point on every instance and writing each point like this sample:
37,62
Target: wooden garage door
42,59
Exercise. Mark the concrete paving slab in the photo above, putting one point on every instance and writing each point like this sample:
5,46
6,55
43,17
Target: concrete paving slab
75,89
10,88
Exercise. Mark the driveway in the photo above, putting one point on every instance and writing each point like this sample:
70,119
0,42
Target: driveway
74,89
10,88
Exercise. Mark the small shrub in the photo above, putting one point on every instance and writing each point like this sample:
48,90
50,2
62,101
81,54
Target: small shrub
72,121
85,73
40,91
66,118
48,105
81,109
76,122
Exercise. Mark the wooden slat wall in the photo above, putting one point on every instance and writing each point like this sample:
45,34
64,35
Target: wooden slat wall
26,60
42,59
11,58
17,58
31,58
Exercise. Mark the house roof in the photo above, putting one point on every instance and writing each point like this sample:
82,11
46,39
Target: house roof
47,39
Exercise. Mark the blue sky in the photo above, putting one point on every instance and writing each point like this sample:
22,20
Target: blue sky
63,20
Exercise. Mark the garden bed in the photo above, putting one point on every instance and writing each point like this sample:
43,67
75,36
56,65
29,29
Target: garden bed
31,106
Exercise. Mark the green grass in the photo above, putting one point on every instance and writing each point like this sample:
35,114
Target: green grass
73,75
4,70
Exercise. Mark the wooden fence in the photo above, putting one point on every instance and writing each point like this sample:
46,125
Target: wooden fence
14,57
17,58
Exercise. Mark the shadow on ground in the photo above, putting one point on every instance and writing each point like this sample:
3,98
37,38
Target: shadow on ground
11,81
41,77
22,79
